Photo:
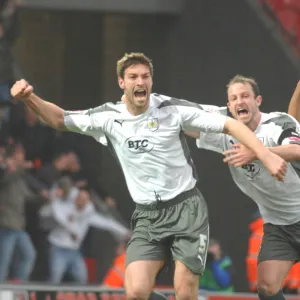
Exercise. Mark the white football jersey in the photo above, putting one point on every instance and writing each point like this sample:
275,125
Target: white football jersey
278,202
151,147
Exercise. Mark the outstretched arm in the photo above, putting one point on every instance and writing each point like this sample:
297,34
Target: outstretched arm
276,165
50,113
294,106
239,155
284,143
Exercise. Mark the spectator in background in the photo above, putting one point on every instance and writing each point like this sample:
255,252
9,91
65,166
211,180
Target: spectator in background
217,275
63,164
64,190
73,220
14,194
292,281
5,136
254,242
38,139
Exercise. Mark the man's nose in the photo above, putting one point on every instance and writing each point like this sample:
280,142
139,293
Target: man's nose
240,100
140,81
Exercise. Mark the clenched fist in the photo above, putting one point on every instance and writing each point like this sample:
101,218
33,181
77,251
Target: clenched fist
21,90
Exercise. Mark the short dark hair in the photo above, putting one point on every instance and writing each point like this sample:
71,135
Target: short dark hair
133,59
244,80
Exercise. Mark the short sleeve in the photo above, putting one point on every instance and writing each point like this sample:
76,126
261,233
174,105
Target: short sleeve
89,124
222,110
211,141
195,118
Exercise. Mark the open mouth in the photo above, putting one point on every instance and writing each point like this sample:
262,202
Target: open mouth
242,112
140,93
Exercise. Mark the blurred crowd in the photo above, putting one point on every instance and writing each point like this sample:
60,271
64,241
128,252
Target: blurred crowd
43,191
47,203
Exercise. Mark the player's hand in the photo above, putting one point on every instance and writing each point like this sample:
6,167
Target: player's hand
239,155
276,166
21,90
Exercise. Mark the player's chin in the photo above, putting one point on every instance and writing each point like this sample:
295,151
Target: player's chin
244,119
141,102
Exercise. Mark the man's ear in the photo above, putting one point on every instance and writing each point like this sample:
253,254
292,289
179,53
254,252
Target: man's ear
258,100
228,106
121,83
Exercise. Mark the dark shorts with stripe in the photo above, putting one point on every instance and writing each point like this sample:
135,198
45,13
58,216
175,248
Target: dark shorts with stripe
176,229
280,242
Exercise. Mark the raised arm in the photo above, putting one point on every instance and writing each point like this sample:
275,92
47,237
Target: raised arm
294,106
51,114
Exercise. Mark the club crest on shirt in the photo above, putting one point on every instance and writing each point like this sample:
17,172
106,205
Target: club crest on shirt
152,124
251,170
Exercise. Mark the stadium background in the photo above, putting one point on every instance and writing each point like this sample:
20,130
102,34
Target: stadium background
196,46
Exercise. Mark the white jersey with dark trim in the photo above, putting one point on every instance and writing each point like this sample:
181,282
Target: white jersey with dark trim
150,147
278,202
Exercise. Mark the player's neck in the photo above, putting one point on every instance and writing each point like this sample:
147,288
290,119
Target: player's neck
255,122
134,110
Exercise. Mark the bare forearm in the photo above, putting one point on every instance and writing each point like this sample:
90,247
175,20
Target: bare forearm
294,106
287,152
246,137
51,114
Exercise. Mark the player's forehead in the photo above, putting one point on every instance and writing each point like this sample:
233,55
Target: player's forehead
238,88
137,69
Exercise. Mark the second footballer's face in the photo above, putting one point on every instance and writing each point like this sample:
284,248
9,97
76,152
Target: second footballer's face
137,85
242,103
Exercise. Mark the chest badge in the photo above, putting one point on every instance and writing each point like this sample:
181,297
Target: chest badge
153,124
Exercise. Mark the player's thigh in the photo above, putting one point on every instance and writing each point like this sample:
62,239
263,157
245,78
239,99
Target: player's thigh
276,256
191,240
144,260
140,278
143,245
